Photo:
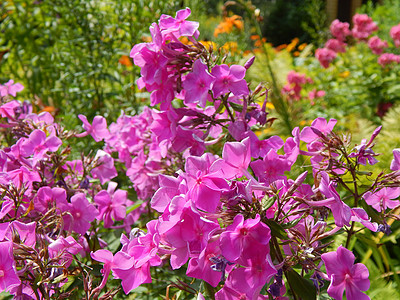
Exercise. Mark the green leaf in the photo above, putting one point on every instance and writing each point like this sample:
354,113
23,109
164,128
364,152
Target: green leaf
276,229
236,107
302,287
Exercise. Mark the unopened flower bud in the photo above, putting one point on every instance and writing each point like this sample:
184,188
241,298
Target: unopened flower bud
249,63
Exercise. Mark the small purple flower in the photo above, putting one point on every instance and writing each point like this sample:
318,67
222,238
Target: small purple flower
198,83
229,79
345,275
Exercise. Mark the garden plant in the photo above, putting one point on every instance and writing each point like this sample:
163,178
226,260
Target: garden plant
217,213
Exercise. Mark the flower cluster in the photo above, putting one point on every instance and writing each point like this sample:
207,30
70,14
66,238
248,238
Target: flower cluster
230,209
364,26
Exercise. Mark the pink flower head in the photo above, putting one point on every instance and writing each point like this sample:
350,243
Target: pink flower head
363,26
229,79
345,275
340,30
8,273
82,213
111,204
243,238
10,88
336,45
98,130
106,169
383,199
64,248
308,135
395,34
388,58
198,83
48,197
178,26
325,56
7,110
316,94
377,45
38,144
395,165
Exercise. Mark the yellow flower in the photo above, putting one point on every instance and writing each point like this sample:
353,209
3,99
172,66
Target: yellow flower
269,105
207,44
231,46
344,74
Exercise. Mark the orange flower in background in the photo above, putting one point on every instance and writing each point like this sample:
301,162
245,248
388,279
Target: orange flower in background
302,46
227,25
281,47
125,60
292,44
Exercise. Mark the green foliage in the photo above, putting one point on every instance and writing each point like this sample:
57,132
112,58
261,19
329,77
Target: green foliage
66,53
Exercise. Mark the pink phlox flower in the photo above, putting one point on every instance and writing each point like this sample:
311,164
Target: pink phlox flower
360,215
229,79
132,265
308,135
236,157
81,213
340,30
377,45
98,129
203,176
26,232
271,168
209,266
188,235
106,257
164,124
262,147
8,272
179,26
10,88
243,237
143,172
63,249
4,228
169,188
187,138
42,120
395,164
239,130
388,58
48,197
7,110
383,198
363,154
106,169
197,84
345,275
363,26
38,144
395,34
325,56
336,45
249,281
341,211
111,204
23,175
